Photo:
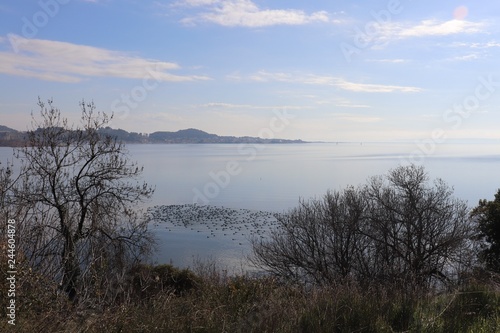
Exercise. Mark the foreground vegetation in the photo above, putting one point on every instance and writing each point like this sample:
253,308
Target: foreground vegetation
165,299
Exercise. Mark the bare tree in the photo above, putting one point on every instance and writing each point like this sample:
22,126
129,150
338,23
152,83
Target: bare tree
80,188
419,231
396,229
318,242
5,187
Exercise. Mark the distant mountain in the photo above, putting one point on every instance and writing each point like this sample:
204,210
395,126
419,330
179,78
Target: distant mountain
193,135
189,135
10,137
6,129
122,135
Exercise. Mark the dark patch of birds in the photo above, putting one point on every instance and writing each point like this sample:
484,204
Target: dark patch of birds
239,224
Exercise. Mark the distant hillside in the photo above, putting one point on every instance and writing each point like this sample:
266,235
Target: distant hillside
6,129
122,135
192,135
10,137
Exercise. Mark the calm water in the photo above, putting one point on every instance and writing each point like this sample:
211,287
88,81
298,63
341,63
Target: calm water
274,178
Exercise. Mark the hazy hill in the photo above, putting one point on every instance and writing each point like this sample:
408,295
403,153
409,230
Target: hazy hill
190,135
11,137
6,129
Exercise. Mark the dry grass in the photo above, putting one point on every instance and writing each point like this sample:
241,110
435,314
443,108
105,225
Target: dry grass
172,300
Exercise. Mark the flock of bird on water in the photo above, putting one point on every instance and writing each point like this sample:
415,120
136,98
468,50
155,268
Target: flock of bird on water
239,224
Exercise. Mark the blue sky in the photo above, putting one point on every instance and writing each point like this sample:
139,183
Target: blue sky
315,70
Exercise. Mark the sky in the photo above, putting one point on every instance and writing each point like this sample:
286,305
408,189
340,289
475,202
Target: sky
339,70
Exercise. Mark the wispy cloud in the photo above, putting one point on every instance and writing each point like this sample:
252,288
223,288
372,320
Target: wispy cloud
220,105
378,88
264,76
345,103
467,57
67,62
245,13
426,28
436,28
476,45
357,118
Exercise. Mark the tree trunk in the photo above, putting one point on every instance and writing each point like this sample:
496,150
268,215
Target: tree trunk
70,260
71,270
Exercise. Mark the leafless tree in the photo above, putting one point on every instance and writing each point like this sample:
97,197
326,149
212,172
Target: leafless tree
5,185
81,191
419,231
394,230
317,242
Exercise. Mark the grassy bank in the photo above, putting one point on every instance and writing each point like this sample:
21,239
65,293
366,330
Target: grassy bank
165,299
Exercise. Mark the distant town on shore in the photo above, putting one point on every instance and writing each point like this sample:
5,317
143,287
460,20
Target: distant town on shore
10,137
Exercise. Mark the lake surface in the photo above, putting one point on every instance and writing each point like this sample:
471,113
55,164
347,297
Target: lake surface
274,177
251,178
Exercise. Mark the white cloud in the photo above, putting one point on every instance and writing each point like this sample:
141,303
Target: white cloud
338,82
435,28
246,13
486,45
219,105
67,62
395,30
468,57
264,76
341,102
345,103
379,88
